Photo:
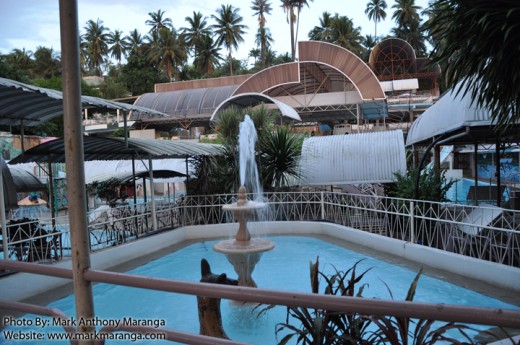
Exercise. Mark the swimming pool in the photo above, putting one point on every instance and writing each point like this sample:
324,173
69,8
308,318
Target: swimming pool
458,193
286,267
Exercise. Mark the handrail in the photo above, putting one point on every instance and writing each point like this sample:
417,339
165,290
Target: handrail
431,311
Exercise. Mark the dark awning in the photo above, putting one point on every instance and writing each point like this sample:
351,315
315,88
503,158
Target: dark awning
97,148
29,105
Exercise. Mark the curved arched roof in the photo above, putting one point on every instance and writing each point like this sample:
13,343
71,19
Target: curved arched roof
455,115
319,61
391,58
353,159
190,104
252,99
336,78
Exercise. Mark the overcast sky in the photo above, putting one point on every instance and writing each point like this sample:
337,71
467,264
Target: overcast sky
32,23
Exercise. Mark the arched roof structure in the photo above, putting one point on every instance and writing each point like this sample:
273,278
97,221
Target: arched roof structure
353,159
252,99
327,84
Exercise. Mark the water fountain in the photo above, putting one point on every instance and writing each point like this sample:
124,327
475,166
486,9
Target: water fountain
244,252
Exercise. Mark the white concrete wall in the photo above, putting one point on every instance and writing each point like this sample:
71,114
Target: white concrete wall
22,285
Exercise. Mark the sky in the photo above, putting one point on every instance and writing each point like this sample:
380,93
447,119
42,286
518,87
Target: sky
32,23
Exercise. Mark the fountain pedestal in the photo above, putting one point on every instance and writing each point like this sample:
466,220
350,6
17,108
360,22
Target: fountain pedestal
244,252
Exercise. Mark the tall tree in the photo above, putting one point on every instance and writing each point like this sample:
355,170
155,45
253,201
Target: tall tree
157,21
229,30
318,33
46,64
376,11
406,13
208,55
169,52
95,44
261,8
478,42
339,30
196,32
293,9
134,42
117,45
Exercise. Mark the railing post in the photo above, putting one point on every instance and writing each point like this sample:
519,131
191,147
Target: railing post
3,221
412,222
322,203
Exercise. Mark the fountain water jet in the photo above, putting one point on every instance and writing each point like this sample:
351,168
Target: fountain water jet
244,252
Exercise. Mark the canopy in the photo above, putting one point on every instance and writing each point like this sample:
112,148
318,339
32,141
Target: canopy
352,159
457,118
252,99
29,105
125,177
96,148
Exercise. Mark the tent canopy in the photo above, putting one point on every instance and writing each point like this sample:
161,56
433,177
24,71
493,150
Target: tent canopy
96,148
457,118
29,105
125,177
353,159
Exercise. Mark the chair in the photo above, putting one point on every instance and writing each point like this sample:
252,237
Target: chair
469,236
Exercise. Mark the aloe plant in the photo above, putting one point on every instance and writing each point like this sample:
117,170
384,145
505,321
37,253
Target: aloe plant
328,327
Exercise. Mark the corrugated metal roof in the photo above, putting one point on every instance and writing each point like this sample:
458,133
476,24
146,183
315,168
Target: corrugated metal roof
451,112
180,103
96,148
31,105
24,181
352,159
125,176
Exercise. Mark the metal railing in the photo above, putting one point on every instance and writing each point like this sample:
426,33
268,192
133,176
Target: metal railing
483,232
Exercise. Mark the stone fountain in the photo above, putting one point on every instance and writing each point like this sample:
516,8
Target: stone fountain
244,252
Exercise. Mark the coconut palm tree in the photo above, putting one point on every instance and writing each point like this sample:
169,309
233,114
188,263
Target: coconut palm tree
406,12
293,9
134,42
196,32
229,30
477,43
21,58
261,8
318,33
117,45
169,51
208,55
158,21
376,11
46,63
95,45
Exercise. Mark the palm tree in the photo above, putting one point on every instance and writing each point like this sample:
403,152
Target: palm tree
293,9
208,55
261,8
376,11
344,34
46,63
263,36
406,12
134,42
228,30
95,44
158,21
168,51
21,58
118,44
196,32
318,33
474,41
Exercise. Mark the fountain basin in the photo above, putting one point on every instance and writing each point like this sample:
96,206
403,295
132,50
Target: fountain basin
255,245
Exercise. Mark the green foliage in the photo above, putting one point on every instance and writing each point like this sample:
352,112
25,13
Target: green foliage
326,327
432,185
477,44
139,75
108,190
280,152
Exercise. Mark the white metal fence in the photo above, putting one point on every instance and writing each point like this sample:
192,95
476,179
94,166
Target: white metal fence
484,232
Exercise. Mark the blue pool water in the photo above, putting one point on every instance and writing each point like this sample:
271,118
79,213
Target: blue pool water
286,267
458,193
